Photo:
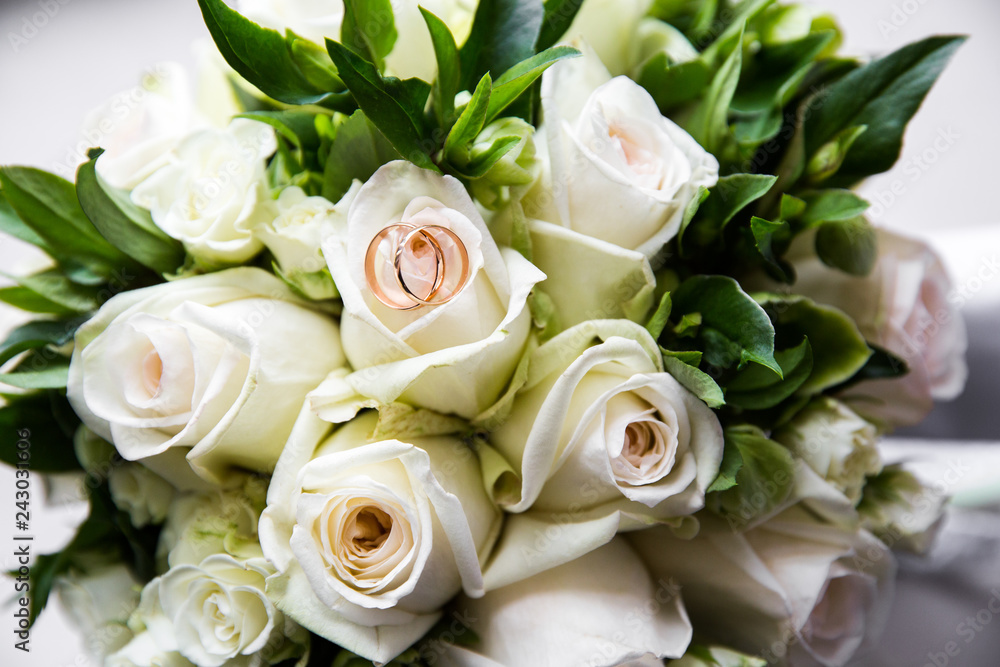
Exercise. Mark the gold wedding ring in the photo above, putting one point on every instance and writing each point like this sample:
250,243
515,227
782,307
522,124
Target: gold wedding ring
416,239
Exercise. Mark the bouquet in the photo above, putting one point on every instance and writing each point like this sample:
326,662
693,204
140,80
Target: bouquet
511,333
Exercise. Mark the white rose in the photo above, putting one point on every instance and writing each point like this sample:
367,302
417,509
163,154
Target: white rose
371,539
138,128
599,610
294,238
100,603
903,306
216,612
619,171
609,27
141,492
452,358
602,439
142,651
616,181
214,367
213,191
836,443
411,56
792,588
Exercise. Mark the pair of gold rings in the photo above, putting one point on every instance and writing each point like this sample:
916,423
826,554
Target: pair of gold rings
415,241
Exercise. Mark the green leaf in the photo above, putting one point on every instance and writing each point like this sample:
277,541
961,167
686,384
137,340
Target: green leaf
48,205
369,29
736,19
504,33
37,334
757,388
694,380
30,301
672,85
125,225
839,350
260,55
393,106
298,127
470,122
733,324
558,18
709,122
30,418
791,207
883,95
882,365
11,223
54,287
831,205
514,81
39,370
764,478
732,462
658,322
768,238
357,152
849,245
774,73
449,75
732,194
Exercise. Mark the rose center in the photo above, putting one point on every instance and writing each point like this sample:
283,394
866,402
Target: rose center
152,372
638,443
369,530
644,164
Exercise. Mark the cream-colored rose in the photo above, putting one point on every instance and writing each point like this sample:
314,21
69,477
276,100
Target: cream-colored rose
216,613
792,589
903,306
411,56
141,492
601,439
836,443
616,179
138,128
213,191
203,368
455,357
618,170
142,651
100,602
371,539
599,610
294,238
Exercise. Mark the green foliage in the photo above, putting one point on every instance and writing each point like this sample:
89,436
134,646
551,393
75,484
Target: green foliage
734,329
756,477
882,96
127,227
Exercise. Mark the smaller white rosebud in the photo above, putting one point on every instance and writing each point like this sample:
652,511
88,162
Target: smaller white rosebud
141,492
836,443
514,174
901,510
294,238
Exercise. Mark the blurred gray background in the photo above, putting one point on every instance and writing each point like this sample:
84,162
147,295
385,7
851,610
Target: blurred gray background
61,58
